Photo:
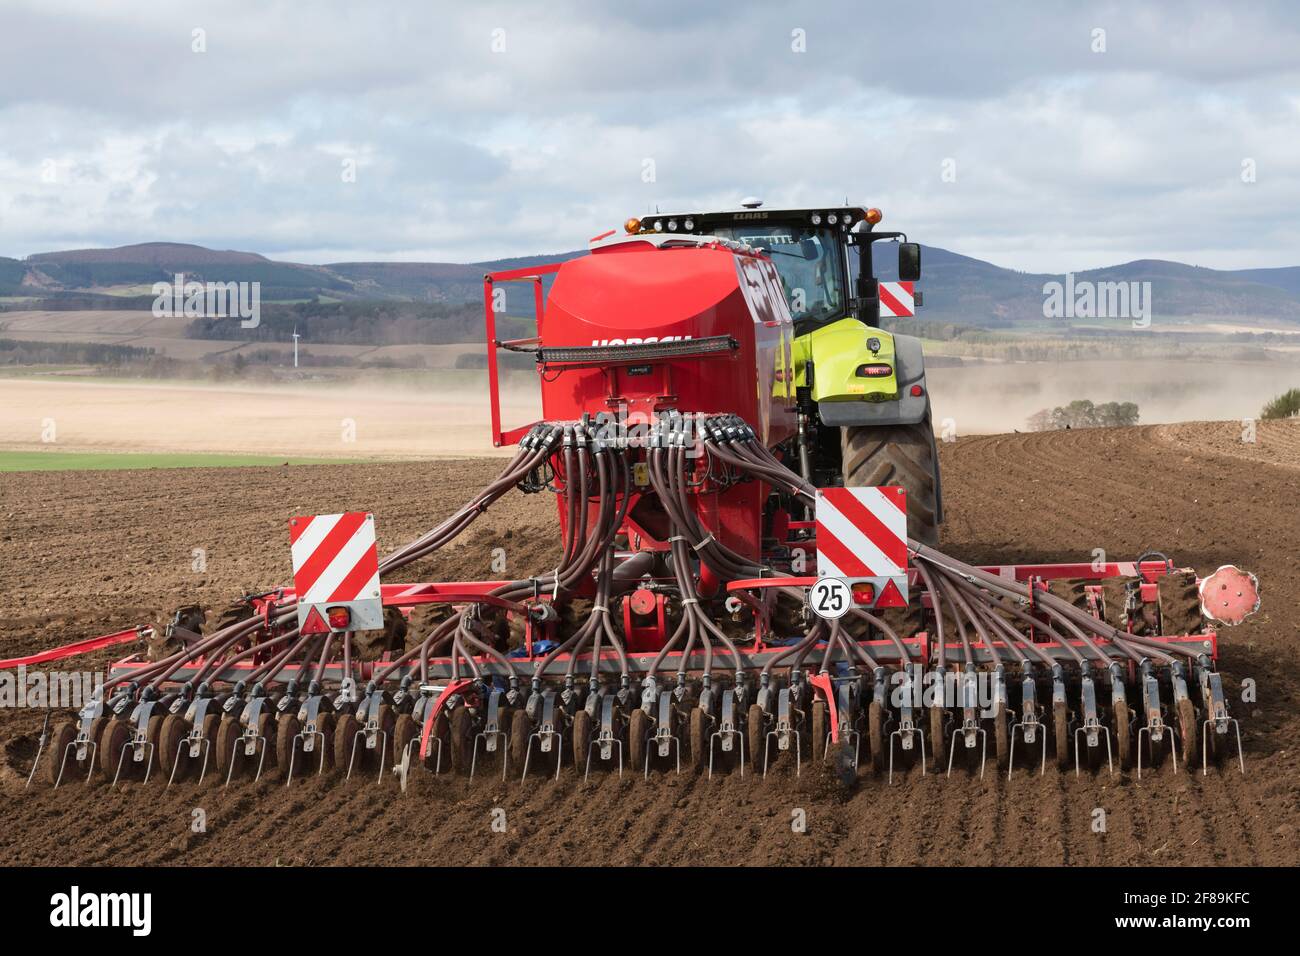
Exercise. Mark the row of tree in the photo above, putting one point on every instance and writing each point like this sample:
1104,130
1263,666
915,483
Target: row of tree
1082,413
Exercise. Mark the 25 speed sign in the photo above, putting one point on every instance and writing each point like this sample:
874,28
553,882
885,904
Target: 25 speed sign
830,598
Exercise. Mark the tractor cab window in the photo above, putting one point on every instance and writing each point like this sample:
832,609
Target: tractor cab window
810,262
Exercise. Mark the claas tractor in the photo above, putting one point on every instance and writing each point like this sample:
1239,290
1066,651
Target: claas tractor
863,405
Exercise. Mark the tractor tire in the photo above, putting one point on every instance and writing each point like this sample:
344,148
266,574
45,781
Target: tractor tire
904,455
1180,604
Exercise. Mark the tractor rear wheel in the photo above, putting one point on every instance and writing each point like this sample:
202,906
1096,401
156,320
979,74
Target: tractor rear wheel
875,455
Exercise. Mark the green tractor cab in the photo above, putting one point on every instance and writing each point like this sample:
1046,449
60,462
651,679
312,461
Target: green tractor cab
863,401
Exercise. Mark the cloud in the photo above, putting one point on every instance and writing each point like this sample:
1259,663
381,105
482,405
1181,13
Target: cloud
493,129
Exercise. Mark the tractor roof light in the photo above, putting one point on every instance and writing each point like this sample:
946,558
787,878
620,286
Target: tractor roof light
874,216
672,225
689,225
659,225
816,219
632,226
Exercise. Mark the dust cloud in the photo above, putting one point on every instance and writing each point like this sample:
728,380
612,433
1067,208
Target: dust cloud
992,398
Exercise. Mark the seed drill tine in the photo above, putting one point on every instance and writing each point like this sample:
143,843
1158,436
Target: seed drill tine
1155,727
492,736
783,733
1029,724
727,733
302,737
663,739
1092,726
970,729
546,735
605,738
40,748
176,763
142,750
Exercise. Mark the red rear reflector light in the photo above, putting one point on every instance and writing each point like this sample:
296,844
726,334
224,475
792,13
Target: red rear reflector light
875,371
917,391
339,617
864,593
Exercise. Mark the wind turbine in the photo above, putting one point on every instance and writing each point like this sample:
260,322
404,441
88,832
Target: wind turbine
296,336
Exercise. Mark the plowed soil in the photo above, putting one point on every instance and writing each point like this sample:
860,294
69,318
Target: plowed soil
83,553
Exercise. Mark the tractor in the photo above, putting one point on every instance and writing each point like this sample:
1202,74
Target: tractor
863,405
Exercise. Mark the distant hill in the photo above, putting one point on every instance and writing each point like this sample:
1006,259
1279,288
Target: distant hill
956,288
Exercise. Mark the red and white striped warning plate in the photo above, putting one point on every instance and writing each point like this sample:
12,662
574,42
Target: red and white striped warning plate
897,299
862,537
336,564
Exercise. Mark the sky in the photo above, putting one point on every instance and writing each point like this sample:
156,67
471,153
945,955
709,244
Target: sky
1041,136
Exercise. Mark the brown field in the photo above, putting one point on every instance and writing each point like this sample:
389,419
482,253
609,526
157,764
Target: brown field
83,553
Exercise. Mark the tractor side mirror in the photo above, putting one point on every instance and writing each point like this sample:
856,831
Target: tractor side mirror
909,261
